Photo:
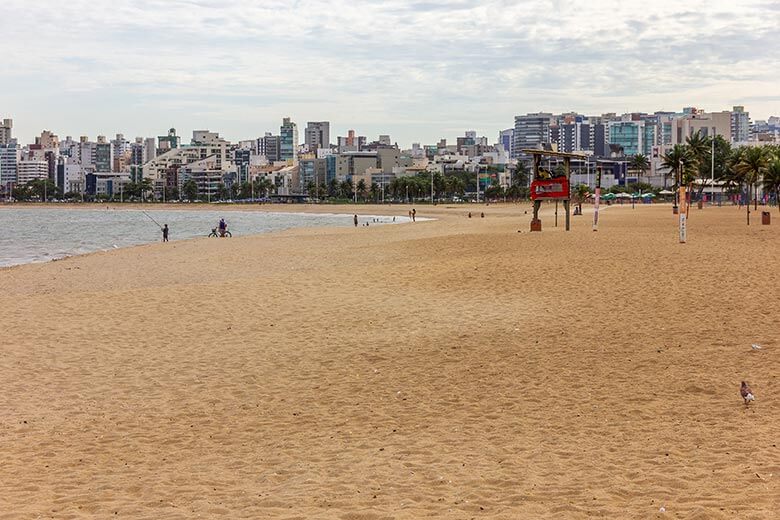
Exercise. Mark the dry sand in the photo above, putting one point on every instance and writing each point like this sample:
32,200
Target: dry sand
453,368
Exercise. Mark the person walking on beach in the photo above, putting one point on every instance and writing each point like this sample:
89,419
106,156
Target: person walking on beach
414,215
165,232
355,220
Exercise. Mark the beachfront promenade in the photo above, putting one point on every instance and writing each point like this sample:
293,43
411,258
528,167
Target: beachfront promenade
453,368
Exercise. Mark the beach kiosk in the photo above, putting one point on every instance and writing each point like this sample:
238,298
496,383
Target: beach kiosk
546,186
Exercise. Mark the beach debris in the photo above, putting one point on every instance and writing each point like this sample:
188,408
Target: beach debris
746,393
756,346
662,509
116,246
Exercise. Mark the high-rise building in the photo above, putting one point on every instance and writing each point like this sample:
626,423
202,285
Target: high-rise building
102,157
167,142
269,146
505,138
5,131
31,169
740,124
9,161
288,141
150,150
48,140
531,131
317,135
634,137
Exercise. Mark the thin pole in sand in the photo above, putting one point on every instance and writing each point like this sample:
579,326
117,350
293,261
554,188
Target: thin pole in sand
712,185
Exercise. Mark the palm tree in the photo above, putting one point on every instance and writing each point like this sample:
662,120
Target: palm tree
361,189
639,163
333,188
346,189
698,148
772,180
752,166
190,189
678,162
145,186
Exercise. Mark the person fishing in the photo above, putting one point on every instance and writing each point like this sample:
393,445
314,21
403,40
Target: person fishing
165,232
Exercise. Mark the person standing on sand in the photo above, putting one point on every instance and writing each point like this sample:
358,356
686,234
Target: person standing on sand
356,220
414,215
165,232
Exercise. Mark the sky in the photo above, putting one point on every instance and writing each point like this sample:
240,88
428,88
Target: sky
418,70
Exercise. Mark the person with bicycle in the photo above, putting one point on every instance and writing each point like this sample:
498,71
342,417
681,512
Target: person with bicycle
222,227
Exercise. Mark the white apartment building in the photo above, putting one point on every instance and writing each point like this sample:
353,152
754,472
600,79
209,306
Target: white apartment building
31,169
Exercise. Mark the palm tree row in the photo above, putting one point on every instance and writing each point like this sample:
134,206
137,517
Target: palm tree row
743,168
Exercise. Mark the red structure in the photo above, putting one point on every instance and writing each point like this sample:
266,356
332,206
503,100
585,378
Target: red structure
555,188
544,187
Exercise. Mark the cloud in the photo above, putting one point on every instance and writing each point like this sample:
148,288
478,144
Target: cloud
410,68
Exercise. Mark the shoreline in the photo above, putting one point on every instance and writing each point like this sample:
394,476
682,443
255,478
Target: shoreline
175,207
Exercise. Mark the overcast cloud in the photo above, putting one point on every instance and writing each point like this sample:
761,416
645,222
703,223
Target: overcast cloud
418,70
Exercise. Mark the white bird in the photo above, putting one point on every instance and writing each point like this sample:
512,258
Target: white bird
746,393
756,346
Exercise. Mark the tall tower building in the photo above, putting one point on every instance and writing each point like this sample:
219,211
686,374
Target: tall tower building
5,131
317,135
531,131
740,124
288,141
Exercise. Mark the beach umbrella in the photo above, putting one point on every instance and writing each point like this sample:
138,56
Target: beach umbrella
665,192
623,195
648,195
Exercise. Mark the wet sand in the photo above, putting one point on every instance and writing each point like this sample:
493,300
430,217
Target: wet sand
454,368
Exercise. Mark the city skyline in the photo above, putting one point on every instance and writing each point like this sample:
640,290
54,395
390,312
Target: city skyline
417,71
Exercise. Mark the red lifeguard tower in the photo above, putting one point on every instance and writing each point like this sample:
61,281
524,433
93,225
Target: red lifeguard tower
549,187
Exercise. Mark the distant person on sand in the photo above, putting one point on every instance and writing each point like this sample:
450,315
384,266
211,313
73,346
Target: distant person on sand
414,215
356,220
165,232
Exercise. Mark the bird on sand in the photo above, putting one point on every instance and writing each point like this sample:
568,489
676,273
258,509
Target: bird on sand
747,393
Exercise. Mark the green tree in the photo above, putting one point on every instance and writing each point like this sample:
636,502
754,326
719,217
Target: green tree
771,181
346,189
374,192
521,175
639,163
333,188
145,187
752,167
698,148
263,187
43,189
680,165
222,191
362,189
190,189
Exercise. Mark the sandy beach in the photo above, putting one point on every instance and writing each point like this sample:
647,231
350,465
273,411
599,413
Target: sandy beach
453,368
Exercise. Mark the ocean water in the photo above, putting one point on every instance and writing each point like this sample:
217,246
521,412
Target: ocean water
42,234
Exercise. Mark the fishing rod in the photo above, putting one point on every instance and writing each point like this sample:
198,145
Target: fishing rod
150,217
